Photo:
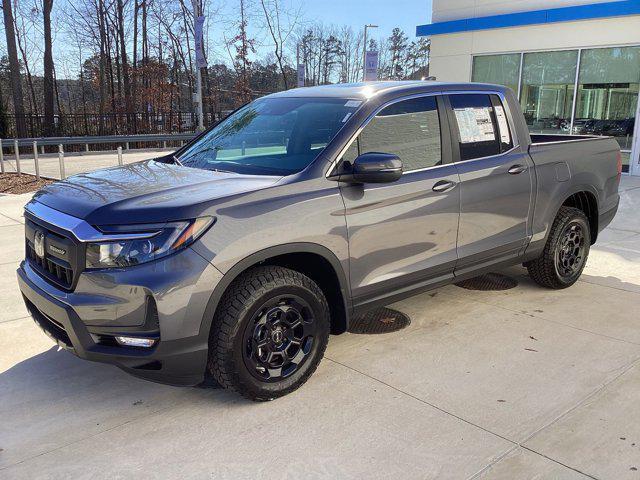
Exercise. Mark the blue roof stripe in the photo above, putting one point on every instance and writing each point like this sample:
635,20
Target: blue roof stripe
553,15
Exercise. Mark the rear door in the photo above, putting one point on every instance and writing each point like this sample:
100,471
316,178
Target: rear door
495,180
402,235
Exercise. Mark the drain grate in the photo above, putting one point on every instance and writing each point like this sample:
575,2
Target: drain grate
489,281
380,320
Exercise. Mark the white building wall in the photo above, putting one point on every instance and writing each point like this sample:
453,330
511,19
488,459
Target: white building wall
452,54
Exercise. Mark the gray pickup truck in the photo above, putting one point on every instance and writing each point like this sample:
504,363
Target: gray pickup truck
237,256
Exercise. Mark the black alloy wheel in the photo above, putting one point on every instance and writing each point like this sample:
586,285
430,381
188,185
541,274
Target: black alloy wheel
570,253
566,251
279,338
269,332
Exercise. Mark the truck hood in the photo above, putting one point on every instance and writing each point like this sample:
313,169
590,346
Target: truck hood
145,192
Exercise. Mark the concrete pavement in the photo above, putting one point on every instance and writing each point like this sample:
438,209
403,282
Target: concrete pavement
520,384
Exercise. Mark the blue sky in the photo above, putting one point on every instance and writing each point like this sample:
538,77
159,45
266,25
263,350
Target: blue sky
406,14
387,14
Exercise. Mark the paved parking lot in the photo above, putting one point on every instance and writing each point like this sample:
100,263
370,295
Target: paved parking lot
524,383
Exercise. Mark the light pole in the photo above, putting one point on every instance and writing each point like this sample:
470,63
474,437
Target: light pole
198,44
364,53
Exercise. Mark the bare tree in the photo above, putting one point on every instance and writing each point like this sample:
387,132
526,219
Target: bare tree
14,69
137,56
126,80
350,60
48,69
23,24
278,31
134,61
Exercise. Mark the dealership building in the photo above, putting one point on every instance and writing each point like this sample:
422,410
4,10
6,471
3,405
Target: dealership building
575,64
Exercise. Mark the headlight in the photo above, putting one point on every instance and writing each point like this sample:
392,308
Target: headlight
151,242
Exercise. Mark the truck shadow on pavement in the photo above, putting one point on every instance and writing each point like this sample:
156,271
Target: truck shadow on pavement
57,375
610,282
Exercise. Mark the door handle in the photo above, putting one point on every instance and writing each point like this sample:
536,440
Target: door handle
516,169
443,186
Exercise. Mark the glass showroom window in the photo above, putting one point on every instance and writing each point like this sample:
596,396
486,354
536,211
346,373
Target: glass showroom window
608,93
548,83
497,69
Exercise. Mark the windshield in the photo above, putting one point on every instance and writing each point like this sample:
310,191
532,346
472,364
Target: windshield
271,136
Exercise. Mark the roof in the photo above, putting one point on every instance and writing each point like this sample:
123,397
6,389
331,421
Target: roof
366,90
360,90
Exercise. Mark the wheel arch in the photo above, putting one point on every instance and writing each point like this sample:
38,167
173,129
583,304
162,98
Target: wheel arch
586,201
314,260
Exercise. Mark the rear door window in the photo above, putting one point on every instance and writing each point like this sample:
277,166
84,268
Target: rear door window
482,126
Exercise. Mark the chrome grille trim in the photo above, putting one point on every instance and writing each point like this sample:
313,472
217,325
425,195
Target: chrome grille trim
77,227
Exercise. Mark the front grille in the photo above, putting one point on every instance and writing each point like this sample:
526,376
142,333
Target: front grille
61,272
58,264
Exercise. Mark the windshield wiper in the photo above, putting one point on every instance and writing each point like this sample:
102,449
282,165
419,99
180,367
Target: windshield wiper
206,166
213,169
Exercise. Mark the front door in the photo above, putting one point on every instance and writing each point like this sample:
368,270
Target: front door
402,235
495,182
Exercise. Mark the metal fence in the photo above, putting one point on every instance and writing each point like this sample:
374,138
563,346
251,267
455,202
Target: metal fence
36,146
93,124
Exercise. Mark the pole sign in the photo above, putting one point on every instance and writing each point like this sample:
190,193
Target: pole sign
371,66
301,74
201,62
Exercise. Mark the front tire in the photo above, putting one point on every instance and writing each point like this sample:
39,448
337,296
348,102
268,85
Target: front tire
565,254
269,333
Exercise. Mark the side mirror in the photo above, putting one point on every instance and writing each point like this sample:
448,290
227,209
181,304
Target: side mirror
372,167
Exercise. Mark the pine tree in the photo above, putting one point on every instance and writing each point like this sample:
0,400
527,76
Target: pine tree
243,46
398,48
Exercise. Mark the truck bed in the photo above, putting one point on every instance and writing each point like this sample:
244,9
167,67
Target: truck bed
565,164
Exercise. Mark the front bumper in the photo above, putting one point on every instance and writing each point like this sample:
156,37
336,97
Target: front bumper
176,359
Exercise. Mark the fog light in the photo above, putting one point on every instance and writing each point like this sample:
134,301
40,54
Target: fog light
136,342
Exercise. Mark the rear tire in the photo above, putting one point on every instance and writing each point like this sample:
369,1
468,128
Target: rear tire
269,333
565,253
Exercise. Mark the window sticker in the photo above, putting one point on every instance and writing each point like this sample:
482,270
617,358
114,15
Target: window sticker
503,125
353,103
346,117
475,124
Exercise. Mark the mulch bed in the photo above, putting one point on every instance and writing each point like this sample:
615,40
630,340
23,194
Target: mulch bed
23,183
